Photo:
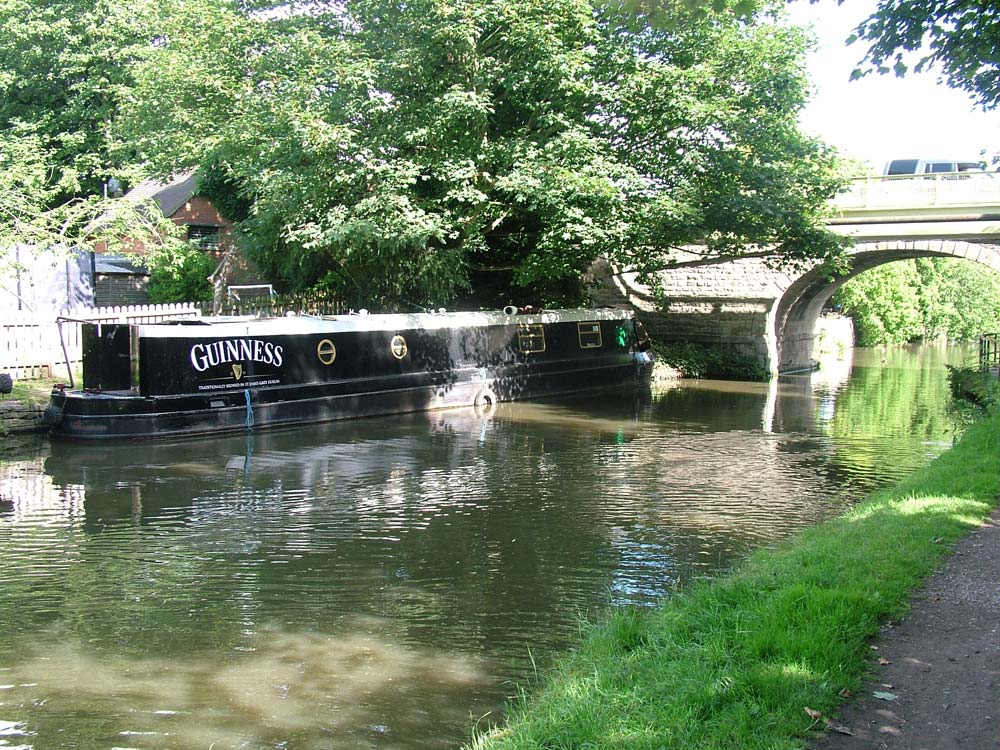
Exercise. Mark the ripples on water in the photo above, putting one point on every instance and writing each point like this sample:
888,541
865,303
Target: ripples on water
384,583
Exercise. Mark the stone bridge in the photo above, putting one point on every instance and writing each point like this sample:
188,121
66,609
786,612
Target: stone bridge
753,308
750,308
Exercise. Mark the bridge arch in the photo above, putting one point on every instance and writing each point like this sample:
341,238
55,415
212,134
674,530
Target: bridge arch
798,308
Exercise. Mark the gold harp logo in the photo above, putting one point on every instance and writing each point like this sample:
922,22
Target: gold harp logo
237,372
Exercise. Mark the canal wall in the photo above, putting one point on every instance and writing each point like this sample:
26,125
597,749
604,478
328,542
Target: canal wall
730,306
20,416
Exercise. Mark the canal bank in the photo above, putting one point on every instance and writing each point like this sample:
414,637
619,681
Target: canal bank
762,657
941,659
20,416
22,411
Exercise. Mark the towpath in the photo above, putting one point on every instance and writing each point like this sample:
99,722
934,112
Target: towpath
936,672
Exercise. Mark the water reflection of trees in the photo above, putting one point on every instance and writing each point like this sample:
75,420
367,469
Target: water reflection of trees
435,528
456,525
899,394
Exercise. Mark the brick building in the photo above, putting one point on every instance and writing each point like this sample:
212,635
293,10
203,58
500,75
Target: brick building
118,281
177,200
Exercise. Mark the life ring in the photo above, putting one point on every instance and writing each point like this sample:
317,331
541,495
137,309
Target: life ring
485,401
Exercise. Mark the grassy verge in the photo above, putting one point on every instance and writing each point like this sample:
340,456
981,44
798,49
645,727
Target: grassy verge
975,386
733,663
35,391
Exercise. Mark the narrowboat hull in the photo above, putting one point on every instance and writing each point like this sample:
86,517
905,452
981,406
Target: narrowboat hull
218,375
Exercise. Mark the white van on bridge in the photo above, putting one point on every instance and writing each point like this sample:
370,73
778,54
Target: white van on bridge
930,166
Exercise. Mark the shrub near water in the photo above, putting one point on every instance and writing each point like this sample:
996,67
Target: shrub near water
694,360
734,663
979,387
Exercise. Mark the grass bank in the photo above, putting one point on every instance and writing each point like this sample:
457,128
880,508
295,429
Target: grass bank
734,663
35,391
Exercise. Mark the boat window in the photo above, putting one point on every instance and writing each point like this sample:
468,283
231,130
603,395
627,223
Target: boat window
590,335
531,338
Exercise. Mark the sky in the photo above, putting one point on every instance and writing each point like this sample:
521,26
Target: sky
883,117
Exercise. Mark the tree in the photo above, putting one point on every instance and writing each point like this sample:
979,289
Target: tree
926,297
406,150
63,67
884,305
959,37
182,275
731,166
30,217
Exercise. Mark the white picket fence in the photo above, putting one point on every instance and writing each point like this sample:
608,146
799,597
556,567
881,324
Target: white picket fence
30,343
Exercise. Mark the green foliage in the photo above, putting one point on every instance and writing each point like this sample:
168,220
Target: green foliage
699,361
975,385
63,66
884,304
732,663
957,38
31,216
927,297
215,183
181,275
407,151
24,191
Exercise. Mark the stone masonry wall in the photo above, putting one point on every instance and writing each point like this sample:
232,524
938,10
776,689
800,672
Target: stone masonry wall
728,305
747,306
17,416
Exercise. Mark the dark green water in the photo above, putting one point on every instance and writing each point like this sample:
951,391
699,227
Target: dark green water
387,583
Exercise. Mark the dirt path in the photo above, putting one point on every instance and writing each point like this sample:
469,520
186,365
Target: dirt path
937,671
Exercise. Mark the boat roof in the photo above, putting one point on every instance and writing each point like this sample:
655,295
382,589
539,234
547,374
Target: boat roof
304,324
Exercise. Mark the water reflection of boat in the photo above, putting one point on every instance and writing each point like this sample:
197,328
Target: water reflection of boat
224,374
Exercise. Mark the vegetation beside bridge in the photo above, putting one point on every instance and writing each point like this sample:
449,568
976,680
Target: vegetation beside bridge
922,298
428,153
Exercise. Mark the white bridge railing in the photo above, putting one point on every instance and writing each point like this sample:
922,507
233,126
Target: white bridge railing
912,193
30,344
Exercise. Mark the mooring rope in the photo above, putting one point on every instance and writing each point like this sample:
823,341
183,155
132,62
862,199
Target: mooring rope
249,419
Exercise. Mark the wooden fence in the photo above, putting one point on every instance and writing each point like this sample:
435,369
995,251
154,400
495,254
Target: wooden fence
989,352
31,346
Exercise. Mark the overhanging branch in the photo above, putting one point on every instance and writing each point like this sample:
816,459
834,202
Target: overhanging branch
705,259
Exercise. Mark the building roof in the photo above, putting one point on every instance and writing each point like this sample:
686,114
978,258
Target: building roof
118,264
169,195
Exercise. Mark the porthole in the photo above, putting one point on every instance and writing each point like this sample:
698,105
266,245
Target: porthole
398,347
326,351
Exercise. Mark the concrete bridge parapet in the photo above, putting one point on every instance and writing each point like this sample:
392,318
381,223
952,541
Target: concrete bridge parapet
752,308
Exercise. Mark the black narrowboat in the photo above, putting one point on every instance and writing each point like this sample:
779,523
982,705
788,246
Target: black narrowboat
209,375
